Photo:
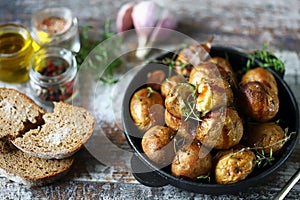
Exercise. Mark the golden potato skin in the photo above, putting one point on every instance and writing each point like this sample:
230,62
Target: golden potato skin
258,95
263,76
212,94
257,102
192,161
233,165
230,75
266,136
174,101
158,145
220,129
188,58
147,109
212,87
169,84
172,121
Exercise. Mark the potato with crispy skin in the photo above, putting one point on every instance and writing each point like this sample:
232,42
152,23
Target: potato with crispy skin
258,95
177,99
233,165
169,84
257,102
265,136
192,161
158,145
146,108
212,87
229,75
188,58
172,121
263,76
220,129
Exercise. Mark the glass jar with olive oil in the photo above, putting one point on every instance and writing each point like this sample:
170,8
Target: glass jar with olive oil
15,53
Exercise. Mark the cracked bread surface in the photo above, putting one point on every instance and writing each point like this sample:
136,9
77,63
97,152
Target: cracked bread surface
23,168
64,132
18,113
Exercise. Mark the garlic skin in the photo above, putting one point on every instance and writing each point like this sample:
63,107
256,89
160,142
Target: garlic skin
124,20
150,22
145,16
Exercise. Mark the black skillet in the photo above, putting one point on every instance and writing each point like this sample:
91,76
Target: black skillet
156,177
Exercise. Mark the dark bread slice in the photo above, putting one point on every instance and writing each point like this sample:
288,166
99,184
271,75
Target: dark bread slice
64,132
18,113
22,168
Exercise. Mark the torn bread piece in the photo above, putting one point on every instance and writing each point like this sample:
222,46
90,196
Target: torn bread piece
18,113
64,132
22,168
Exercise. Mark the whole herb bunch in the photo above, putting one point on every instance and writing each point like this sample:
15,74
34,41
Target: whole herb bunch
88,43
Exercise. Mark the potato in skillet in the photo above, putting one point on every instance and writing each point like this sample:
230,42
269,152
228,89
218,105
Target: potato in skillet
220,129
265,136
192,161
146,108
158,145
233,165
258,95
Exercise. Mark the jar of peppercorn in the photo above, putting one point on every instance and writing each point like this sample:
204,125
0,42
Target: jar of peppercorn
52,75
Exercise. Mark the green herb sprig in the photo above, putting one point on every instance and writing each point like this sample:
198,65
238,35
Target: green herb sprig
267,60
88,44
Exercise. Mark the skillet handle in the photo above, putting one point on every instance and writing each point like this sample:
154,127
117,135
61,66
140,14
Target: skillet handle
148,178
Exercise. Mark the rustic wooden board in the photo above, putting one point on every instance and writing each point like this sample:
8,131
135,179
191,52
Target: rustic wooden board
241,23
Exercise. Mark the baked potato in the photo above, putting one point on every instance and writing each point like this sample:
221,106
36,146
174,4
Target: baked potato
265,136
172,121
192,161
212,87
220,129
257,102
229,75
212,94
233,165
261,75
177,99
146,108
189,57
169,84
158,145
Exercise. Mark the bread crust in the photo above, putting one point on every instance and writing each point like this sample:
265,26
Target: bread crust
37,148
61,136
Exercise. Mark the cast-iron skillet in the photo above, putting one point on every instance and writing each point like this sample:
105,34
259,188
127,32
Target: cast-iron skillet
155,177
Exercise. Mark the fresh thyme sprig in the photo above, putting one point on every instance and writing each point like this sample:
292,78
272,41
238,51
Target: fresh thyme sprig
262,158
189,103
88,43
267,60
150,91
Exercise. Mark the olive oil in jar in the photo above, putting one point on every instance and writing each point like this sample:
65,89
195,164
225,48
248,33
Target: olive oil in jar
15,53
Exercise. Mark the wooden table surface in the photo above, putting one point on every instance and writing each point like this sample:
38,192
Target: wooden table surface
239,23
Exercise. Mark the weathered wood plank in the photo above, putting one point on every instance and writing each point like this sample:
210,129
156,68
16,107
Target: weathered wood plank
239,23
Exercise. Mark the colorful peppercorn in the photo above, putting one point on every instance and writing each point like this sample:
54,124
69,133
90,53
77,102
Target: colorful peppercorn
52,77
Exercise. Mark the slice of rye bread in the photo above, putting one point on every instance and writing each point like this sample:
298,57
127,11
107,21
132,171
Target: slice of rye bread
64,132
22,168
18,113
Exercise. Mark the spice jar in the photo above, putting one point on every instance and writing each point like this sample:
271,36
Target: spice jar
15,53
52,75
55,27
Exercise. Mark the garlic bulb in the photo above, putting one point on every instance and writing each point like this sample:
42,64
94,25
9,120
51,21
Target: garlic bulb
149,20
124,19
